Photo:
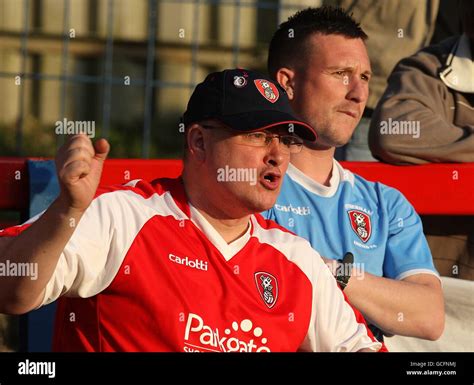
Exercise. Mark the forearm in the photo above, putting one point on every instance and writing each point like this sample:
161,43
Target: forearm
41,244
398,307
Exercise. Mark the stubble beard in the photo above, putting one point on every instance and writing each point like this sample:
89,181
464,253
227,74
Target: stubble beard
327,138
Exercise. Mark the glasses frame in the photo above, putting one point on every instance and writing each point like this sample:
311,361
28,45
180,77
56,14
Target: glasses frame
293,148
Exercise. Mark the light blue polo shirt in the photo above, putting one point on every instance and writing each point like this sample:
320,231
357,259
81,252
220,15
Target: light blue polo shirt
371,220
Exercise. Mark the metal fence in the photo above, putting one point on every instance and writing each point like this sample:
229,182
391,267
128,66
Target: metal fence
267,13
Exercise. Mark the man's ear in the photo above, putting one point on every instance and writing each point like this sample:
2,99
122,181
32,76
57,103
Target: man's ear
285,77
195,141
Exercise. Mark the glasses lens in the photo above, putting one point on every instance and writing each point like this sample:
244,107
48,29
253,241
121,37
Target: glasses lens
295,148
288,143
293,143
256,138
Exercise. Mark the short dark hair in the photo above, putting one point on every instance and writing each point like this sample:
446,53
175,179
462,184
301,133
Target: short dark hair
288,42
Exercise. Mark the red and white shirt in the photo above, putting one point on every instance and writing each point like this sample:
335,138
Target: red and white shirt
145,271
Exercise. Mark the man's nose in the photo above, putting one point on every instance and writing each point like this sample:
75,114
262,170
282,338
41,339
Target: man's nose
358,91
275,154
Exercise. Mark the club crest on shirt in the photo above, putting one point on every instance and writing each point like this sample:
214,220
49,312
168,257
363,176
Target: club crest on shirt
267,286
268,90
360,223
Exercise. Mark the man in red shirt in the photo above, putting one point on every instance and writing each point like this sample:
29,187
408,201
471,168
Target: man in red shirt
185,264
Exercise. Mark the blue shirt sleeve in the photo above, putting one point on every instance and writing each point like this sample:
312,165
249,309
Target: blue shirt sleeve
407,250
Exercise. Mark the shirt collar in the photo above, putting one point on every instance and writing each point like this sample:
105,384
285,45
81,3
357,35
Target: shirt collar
228,250
311,185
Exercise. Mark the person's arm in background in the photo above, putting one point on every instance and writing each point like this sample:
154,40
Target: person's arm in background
408,300
416,97
79,167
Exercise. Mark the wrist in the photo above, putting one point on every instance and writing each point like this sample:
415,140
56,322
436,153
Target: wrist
344,270
63,207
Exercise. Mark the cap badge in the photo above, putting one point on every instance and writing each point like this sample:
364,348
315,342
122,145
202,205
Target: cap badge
268,90
240,81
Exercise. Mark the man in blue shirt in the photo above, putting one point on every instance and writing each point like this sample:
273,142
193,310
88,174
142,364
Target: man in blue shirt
319,57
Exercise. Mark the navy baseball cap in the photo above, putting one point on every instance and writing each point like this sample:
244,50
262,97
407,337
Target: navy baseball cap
245,101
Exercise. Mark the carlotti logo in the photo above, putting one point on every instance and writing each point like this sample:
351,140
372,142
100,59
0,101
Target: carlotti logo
240,337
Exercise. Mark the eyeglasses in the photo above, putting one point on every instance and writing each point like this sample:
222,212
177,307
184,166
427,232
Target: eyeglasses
288,143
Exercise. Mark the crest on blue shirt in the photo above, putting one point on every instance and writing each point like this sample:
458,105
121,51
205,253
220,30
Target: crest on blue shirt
360,223
267,286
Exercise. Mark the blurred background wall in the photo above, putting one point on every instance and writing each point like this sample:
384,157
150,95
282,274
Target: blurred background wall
129,66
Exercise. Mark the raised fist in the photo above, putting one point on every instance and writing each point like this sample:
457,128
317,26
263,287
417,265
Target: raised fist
79,166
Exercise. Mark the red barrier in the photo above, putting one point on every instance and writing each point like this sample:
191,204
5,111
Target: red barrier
432,188
13,184
124,170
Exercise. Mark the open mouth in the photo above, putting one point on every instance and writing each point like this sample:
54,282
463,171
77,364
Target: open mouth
270,180
269,177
